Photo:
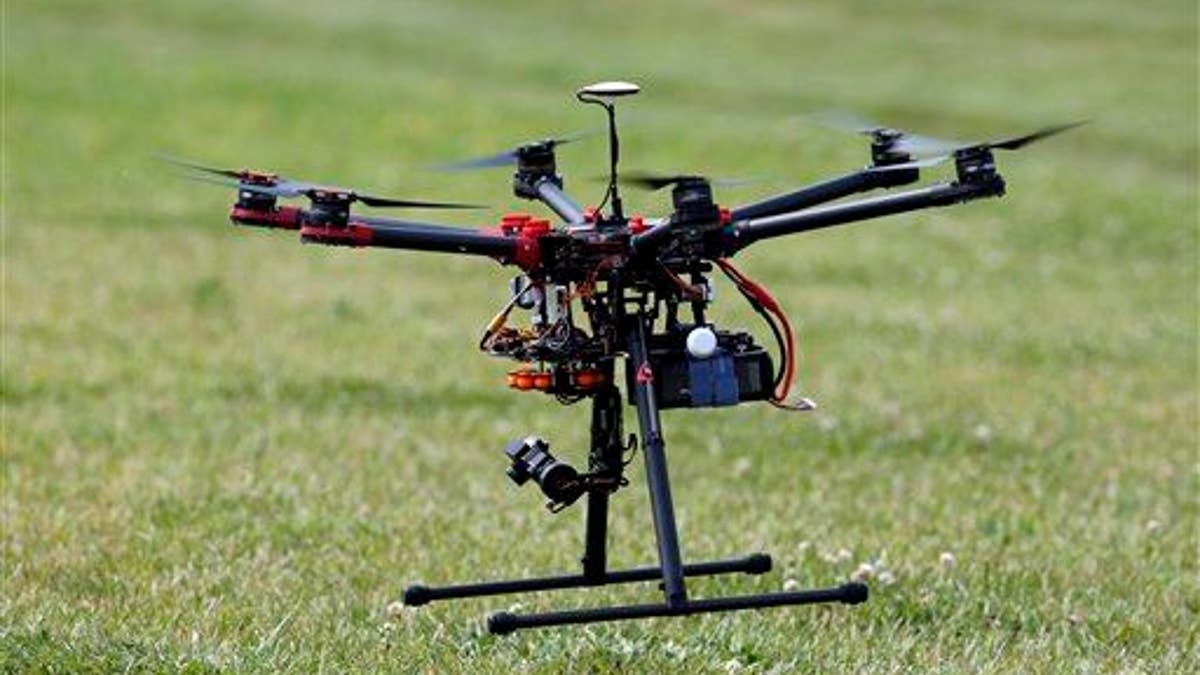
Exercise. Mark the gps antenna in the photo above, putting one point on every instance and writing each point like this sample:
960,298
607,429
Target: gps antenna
604,94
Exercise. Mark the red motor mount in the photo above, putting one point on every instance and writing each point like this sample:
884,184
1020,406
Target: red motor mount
527,230
336,235
283,217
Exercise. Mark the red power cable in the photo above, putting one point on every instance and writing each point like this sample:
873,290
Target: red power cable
760,294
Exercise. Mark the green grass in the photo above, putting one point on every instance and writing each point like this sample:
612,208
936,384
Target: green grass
223,451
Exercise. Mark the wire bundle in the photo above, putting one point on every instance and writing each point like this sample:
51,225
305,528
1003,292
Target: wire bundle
767,307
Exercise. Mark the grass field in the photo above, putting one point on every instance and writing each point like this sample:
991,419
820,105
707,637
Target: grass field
223,451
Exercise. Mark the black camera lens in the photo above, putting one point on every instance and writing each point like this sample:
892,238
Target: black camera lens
531,458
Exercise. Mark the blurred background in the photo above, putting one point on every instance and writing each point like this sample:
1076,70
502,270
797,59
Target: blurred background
226,451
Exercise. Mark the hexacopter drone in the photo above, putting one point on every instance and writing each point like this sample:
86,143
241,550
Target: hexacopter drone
631,277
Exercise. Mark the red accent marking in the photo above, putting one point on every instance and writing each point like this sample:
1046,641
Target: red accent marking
528,255
726,216
288,217
284,217
512,223
769,303
258,177
535,227
637,224
249,217
644,374
526,229
350,235
591,214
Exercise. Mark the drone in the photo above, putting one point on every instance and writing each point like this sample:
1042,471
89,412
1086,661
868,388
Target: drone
598,287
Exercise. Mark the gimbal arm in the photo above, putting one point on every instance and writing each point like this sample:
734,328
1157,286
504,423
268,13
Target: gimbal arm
747,232
827,191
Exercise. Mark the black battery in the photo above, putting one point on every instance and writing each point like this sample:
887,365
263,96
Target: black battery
739,370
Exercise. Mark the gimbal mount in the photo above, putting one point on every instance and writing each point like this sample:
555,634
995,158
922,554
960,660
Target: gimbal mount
631,278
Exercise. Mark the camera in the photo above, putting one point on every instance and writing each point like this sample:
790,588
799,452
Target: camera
531,458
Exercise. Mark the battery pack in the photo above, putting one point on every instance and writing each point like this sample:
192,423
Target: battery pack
738,371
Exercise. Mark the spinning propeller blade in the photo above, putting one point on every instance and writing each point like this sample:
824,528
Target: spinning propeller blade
490,161
915,164
278,186
902,141
1044,132
649,180
187,164
509,157
233,184
934,150
387,202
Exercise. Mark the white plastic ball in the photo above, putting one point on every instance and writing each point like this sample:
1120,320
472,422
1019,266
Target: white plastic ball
702,342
